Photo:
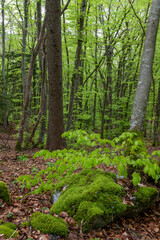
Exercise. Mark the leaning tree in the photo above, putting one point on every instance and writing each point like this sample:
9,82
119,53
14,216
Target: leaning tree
145,75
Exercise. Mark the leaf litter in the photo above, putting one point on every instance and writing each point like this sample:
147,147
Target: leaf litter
143,227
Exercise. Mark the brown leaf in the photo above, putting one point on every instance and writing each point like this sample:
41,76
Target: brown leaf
125,236
156,229
63,214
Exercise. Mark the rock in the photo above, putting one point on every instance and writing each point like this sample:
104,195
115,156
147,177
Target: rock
4,193
93,199
46,223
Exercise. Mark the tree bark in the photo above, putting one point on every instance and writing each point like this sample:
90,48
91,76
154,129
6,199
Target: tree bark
75,75
24,41
145,75
3,66
54,57
28,86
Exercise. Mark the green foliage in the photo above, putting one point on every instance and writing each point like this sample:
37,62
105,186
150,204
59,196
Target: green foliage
23,158
9,215
91,151
34,170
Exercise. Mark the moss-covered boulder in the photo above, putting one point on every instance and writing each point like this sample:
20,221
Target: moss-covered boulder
145,198
91,196
4,193
8,229
48,224
94,198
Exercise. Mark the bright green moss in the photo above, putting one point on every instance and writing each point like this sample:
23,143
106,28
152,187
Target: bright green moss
46,223
4,193
7,231
146,195
91,196
27,224
10,225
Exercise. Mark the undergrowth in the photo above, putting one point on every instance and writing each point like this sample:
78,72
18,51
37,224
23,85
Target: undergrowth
89,150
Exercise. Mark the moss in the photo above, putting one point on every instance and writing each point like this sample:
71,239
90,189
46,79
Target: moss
10,225
18,146
4,193
7,231
46,223
91,196
146,195
27,224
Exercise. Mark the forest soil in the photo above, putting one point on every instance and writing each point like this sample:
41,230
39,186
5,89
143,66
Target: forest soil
143,227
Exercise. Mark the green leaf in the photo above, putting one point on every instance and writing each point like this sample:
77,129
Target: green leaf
136,178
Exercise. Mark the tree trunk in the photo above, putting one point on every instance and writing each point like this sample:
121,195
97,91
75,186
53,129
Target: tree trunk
24,41
145,75
3,66
54,57
75,75
42,95
28,86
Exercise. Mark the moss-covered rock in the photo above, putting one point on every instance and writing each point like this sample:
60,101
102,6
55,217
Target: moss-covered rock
146,196
7,231
46,223
91,196
4,193
94,198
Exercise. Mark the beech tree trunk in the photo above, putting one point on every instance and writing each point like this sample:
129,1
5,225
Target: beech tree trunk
145,75
54,57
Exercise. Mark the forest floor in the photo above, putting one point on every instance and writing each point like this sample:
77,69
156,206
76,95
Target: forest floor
145,226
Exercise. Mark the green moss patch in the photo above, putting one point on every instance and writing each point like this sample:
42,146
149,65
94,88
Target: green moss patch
7,231
46,223
146,195
92,197
4,193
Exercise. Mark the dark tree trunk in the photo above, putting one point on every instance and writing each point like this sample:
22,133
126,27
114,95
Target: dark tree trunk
54,57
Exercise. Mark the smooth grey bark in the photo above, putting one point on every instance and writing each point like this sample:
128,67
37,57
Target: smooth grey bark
3,65
145,75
